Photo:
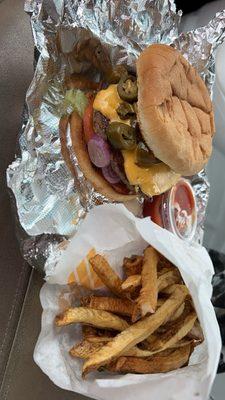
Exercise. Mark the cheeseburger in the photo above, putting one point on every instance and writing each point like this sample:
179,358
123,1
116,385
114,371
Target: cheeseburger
141,131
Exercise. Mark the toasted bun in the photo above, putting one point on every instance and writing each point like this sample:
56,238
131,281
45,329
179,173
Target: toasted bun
174,109
80,150
63,123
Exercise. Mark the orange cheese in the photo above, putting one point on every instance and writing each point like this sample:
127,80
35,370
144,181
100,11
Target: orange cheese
154,180
107,101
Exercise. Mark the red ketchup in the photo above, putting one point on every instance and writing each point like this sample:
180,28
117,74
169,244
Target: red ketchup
174,210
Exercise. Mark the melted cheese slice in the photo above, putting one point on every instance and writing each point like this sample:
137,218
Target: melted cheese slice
154,180
107,101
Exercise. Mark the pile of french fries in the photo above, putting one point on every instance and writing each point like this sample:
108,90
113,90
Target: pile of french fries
147,324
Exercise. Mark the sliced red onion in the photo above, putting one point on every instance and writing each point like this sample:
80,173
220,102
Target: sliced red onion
110,175
99,151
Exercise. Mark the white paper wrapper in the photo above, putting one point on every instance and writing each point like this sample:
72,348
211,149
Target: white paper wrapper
115,232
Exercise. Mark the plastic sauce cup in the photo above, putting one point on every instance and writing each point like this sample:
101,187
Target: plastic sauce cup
174,210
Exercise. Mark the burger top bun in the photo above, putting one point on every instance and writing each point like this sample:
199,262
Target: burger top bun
174,109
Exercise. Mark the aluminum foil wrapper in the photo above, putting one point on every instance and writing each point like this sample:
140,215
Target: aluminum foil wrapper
50,202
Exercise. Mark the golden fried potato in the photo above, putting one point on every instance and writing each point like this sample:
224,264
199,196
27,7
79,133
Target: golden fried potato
107,275
160,302
170,289
132,282
99,318
155,364
159,342
169,278
135,333
132,265
96,335
178,313
164,263
196,332
174,331
85,301
84,349
166,279
147,300
112,304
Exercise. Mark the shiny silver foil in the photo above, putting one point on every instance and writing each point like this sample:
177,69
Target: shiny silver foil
199,47
50,200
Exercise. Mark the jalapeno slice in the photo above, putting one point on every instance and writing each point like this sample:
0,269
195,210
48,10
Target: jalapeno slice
127,88
125,110
121,136
145,158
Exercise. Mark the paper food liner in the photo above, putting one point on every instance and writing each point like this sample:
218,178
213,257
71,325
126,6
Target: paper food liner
113,231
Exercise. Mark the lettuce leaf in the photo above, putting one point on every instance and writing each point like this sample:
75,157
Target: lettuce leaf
76,100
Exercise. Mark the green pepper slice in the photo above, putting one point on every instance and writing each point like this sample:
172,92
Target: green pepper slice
145,157
125,110
127,88
121,136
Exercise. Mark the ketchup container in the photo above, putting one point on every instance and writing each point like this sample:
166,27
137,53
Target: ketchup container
174,210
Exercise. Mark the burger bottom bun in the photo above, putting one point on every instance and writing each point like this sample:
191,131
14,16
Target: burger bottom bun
80,150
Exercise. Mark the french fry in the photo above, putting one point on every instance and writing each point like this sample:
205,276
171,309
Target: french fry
164,263
150,340
160,302
147,344
134,294
132,282
169,278
135,333
162,271
178,313
112,304
196,332
98,318
155,364
174,331
183,342
136,352
136,313
88,331
159,342
100,339
85,349
147,300
170,289
147,352
107,275
85,301
95,335
132,265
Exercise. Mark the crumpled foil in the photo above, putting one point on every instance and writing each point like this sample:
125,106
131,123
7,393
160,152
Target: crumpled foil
49,203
